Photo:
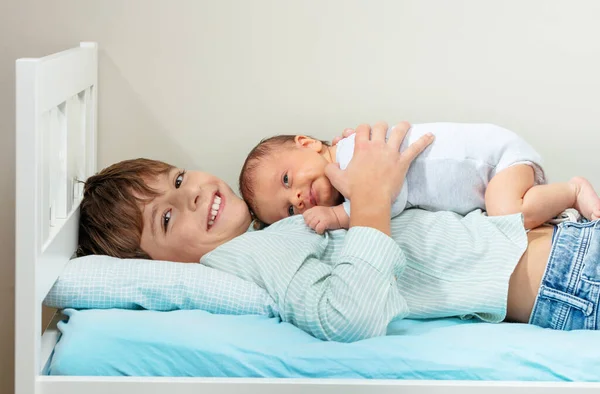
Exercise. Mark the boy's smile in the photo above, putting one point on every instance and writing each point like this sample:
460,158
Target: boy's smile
193,213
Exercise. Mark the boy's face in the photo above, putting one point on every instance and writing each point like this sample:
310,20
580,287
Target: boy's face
194,213
292,180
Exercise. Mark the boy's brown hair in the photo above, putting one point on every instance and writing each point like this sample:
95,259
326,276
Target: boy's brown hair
263,149
111,219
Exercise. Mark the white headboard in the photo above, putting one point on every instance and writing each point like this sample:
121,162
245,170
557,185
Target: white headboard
56,107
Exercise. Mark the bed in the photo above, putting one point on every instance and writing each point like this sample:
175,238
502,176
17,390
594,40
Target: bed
120,350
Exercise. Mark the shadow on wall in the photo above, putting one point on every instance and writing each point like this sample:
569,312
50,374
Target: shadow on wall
134,130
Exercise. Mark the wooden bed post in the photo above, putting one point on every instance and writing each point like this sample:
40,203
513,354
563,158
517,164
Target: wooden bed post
56,116
27,310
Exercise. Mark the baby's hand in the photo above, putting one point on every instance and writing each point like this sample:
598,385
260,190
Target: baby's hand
321,219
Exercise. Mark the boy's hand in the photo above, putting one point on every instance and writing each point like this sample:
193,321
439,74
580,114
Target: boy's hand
376,173
345,133
321,219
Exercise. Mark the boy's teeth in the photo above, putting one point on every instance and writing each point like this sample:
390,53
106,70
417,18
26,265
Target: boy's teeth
214,210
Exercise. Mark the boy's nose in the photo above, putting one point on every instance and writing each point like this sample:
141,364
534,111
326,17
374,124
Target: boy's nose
192,198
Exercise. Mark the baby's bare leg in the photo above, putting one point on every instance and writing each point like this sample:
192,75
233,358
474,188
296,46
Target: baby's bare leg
512,190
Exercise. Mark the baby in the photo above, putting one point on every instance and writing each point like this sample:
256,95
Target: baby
467,167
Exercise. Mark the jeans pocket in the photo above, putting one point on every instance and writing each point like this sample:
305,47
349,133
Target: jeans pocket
585,306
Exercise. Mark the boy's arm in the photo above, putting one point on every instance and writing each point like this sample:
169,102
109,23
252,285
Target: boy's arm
358,298
398,206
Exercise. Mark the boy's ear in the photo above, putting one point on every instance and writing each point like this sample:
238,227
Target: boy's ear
303,141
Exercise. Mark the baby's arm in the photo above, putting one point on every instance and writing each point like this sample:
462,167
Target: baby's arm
326,218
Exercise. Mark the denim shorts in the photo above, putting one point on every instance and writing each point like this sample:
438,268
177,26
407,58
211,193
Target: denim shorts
569,295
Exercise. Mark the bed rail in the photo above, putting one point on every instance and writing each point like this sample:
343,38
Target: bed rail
56,106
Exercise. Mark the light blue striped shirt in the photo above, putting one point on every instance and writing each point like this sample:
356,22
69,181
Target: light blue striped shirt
348,285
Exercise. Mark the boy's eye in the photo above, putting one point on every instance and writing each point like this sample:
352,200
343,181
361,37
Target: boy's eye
179,179
286,180
291,210
166,219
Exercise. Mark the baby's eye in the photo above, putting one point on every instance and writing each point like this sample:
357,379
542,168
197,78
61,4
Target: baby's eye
291,210
166,219
286,180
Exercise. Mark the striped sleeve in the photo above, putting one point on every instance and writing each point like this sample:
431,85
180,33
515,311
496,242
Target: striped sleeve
359,296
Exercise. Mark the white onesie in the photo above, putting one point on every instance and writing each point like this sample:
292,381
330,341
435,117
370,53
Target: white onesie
452,174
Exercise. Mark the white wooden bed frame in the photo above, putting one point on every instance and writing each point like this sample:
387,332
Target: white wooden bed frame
56,101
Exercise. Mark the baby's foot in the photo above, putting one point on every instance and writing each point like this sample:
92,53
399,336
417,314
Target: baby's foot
588,202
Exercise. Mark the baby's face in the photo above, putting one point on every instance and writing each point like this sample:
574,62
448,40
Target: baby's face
290,181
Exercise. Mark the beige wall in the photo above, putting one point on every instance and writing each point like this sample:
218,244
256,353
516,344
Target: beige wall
197,83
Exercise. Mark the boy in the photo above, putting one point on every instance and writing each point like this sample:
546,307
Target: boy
468,167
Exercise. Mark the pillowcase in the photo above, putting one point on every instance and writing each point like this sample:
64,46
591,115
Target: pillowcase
103,282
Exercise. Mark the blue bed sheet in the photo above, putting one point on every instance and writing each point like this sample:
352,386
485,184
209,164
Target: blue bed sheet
197,343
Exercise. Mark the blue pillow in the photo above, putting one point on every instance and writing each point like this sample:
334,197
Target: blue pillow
102,282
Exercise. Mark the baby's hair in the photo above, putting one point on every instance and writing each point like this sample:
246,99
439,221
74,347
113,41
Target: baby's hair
265,148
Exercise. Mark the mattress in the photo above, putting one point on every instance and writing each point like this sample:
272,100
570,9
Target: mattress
200,344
